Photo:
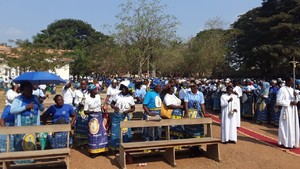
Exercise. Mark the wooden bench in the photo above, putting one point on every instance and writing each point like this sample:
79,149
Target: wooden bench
212,144
55,155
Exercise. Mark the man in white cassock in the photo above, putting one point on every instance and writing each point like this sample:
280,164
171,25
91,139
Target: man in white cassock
237,90
288,132
229,105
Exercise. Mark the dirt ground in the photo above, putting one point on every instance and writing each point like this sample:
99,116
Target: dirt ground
247,153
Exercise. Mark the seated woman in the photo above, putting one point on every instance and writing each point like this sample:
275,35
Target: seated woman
60,114
174,103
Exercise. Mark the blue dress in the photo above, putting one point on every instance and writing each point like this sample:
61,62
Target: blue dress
194,111
9,121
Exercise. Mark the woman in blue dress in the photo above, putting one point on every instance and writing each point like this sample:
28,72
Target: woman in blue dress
261,104
194,108
152,107
60,113
97,136
7,119
26,108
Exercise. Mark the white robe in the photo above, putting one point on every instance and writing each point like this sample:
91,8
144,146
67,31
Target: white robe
228,124
288,132
239,91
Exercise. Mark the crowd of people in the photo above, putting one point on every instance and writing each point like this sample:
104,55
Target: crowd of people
98,130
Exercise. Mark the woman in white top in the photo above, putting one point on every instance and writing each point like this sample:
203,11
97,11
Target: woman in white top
122,105
97,136
174,103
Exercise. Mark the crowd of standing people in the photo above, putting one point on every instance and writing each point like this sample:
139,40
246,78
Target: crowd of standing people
98,130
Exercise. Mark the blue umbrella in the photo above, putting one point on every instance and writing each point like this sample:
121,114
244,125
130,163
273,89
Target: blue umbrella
39,78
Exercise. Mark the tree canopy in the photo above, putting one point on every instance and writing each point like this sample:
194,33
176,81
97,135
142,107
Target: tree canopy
267,38
68,34
143,29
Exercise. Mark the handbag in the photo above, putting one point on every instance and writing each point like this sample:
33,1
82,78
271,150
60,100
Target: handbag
166,113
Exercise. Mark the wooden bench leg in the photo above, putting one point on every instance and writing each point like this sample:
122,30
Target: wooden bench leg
213,152
122,158
67,161
5,165
170,156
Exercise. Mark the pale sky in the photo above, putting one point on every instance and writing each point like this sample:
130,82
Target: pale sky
22,19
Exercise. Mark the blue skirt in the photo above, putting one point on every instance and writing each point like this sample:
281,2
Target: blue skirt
97,136
177,131
261,111
81,128
3,141
114,141
152,133
197,130
25,142
247,110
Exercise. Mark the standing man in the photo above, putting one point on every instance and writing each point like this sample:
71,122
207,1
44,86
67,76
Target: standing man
68,93
288,133
237,90
229,111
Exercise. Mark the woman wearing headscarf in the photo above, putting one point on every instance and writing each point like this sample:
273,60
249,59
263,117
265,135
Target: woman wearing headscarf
26,108
152,107
261,104
123,104
248,100
194,108
97,136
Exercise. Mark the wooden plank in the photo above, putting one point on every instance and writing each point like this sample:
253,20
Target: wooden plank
164,122
35,129
209,130
170,156
8,143
168,133
38,154
177,142
213,152
122,158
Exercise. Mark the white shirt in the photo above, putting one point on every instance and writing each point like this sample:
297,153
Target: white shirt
79,96
182,93
92,104
112,92
10,96
38,92
171,100
124,102
68,95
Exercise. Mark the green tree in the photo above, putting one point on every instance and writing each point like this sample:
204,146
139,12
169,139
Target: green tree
68,34
30,58
266,38
143,29
206,53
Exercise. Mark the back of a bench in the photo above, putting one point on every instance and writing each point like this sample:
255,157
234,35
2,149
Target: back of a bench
35,129
167,122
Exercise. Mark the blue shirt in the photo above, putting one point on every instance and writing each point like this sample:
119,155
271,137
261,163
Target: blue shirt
152,100
140,93
18,108
8,118
194,100
60,112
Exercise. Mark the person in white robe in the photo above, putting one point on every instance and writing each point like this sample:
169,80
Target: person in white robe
237,90
229,113
288,132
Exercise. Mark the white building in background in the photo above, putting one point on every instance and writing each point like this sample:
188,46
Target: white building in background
7,72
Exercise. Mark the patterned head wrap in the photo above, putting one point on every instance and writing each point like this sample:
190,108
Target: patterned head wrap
91,87
154,83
